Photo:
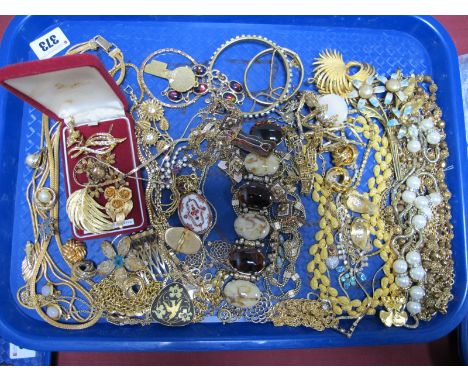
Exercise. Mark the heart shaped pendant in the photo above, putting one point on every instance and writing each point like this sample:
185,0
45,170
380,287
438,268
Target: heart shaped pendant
173,306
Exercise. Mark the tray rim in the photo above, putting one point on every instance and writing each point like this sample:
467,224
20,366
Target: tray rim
463,341
233,337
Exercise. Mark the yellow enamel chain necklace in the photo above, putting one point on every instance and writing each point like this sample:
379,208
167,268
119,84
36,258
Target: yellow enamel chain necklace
327,209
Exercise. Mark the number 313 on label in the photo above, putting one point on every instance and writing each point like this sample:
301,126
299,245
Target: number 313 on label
50,44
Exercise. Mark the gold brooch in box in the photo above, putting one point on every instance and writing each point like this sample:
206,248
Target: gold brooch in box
119,203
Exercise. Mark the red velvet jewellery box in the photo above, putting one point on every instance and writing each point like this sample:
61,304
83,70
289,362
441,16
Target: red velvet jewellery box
79,88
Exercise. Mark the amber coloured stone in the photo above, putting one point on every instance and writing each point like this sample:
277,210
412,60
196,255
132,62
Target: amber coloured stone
247,260
255,195
267,131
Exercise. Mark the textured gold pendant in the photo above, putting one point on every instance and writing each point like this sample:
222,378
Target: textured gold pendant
360,233
359,203
173,306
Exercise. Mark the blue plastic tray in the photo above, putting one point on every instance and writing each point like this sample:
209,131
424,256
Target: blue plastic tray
414,44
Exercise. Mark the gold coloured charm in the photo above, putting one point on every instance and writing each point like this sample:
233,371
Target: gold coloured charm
180,79
27,265
333,75
133,286
394,315
74,138
345,155
173,306
74,251
360,233
338,178
150,110
152,124
84,270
